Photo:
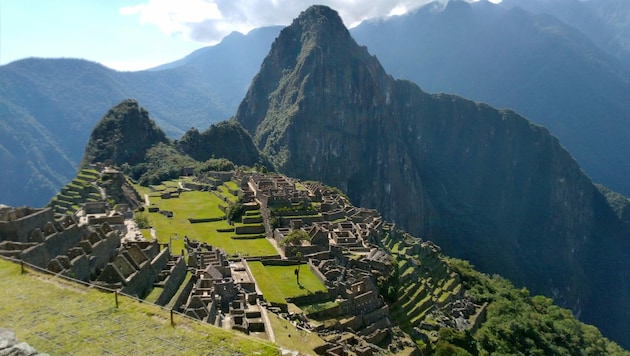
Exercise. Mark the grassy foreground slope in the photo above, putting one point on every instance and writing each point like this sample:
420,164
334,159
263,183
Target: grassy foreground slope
60,318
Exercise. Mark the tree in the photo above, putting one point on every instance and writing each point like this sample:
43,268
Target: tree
295,237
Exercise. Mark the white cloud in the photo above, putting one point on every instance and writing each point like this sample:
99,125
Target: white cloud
208,21
175,17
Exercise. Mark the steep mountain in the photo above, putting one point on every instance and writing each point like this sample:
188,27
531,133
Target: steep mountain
49,106
535,64
128,138
123,135
226,139
487,185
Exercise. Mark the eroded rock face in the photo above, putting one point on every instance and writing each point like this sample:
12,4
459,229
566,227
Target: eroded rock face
10,346
486,185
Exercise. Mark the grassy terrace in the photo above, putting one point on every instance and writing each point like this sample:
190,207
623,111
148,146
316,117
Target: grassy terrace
198,205
279,282
59,317
294,339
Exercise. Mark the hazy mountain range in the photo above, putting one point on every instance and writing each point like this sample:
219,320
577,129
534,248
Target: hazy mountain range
561,75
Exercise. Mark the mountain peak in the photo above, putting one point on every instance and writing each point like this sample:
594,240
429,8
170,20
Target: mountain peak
319,17
122,135
316,52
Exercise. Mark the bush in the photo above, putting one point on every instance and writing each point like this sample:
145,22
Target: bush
142,220
235,212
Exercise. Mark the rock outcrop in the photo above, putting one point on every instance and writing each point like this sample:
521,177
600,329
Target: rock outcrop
487,185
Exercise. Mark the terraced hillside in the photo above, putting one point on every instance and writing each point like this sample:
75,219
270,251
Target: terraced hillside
81,189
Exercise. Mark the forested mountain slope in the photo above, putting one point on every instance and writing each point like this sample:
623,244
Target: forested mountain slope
486,185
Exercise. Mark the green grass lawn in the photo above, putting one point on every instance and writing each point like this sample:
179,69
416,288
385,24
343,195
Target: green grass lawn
294,339
223,190
61,318
198,204
205,232
231,185
279,282
193,204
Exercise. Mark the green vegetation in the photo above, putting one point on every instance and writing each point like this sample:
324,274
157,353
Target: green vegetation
295,237
279,282
59,317
235,211
162,162
142,220
227,139
74,194
315,307
200,205
116,136
294,339
214,164
516,321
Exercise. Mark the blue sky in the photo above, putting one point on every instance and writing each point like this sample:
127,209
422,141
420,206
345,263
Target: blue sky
139,34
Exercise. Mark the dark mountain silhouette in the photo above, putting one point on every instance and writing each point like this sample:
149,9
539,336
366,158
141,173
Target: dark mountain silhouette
509,58
487,185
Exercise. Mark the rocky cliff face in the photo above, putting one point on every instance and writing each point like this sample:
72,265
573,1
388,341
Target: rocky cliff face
486,185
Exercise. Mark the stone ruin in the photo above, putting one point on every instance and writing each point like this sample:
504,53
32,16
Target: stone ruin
223,292
89,250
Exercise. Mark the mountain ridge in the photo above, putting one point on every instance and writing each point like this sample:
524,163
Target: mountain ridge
486,185
209,87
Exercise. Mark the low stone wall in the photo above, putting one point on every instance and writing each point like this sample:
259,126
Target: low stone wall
306,220
326,313
291,251
320,276
55,244
172,282
252,219
19,229
279,262
313,298
104,249
248,237
204,220
250,229
182,298
112,220
197,186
